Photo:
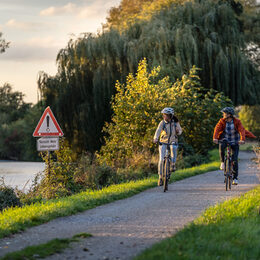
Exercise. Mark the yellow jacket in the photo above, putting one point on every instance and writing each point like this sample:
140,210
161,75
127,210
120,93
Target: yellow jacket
168,131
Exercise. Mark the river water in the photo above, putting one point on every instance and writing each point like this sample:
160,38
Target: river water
20,174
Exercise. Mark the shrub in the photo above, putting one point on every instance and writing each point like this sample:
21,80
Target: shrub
8,197
137,107
249,116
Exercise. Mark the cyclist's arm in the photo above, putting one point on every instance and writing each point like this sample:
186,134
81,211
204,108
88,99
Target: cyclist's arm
178,129
241,131
158,132
218,130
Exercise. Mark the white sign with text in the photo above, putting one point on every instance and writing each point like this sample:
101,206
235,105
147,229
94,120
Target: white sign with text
48,144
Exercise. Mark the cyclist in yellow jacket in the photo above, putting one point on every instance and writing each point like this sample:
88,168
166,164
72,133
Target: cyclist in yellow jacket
167,132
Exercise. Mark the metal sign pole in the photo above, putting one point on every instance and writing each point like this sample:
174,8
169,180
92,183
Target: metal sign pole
49,166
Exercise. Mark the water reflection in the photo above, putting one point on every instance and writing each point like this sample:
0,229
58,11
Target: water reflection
19,174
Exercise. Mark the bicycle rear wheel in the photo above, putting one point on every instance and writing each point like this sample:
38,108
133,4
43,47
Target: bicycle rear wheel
230,182
166,169
228,177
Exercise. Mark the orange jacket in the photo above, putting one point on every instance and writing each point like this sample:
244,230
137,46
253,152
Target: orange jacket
221,125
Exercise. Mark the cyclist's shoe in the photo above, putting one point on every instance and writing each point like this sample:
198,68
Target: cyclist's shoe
222,166
235,182
173,168
160,182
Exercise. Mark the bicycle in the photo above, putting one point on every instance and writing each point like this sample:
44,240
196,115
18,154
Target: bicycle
228,166
166,166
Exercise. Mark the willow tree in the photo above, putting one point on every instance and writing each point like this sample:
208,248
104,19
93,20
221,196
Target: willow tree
208,34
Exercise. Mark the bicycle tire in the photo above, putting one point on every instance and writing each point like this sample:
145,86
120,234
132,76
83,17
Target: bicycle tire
230,182
226,165
230,175
166,169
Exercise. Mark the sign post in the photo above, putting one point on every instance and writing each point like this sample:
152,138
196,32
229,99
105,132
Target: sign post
49,131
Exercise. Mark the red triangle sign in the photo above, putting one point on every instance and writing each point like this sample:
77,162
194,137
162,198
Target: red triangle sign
48,125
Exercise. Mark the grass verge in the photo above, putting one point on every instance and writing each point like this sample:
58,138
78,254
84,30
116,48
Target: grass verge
230,230
41,251
17,219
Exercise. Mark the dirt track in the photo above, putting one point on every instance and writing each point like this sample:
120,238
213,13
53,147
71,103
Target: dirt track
124,228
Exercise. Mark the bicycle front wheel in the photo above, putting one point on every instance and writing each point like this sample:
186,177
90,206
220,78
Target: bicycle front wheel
166,174
228,178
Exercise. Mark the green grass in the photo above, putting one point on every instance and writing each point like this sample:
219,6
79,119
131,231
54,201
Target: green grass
41,251
17,219
230,230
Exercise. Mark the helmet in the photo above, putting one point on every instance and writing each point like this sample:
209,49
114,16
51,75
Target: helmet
228,110
168,110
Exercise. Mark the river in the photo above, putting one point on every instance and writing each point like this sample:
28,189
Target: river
20,174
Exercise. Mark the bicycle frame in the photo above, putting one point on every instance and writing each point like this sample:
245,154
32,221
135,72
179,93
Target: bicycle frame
166,166
228,165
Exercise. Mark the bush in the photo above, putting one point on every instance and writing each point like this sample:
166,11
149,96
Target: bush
8,197
190,160
137,107
249,116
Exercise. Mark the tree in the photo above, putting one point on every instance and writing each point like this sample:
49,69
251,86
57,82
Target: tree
3,44
249,116
12,111
207,34
137,107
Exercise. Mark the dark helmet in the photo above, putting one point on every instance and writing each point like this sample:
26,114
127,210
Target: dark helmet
228,110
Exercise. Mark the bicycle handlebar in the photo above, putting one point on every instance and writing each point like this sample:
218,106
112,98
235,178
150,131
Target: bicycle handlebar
224,141
160,143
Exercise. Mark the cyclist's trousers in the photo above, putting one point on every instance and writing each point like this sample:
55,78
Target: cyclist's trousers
162,151
234,153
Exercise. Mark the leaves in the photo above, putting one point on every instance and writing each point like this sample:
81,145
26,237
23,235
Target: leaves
137,107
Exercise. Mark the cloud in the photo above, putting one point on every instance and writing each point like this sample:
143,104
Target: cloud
46,41
12,23
69,8
27,52
97,8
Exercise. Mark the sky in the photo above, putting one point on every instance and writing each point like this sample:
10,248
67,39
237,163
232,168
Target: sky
37,30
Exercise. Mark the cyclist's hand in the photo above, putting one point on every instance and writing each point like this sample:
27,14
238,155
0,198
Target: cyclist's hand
215,141
241,142
155,141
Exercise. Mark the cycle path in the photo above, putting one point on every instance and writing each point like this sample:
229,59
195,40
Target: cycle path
124,228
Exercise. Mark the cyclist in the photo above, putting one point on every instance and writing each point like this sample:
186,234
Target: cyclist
167,131
229,129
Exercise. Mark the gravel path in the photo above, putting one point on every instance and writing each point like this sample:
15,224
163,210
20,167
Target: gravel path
124,228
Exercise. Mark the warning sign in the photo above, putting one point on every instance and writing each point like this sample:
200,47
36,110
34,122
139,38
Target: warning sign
48,125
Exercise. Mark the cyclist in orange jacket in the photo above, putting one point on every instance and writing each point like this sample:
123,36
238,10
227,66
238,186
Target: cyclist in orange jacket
229,129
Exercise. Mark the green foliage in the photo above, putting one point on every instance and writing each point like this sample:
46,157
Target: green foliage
17,122
13,220
249,116
229,230
8,197
137,107
58,180
90,175
176,36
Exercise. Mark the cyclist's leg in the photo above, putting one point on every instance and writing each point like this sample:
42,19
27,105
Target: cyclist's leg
222,147
174,149
235,152
162,151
